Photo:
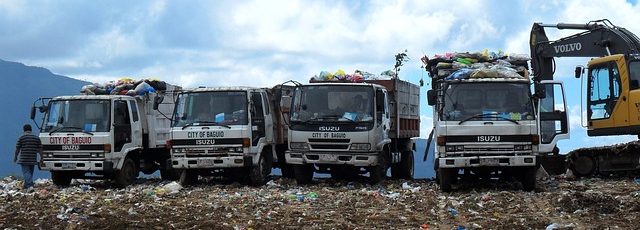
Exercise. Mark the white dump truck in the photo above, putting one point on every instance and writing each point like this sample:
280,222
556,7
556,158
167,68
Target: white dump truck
349,128
238,132
106,136
487,122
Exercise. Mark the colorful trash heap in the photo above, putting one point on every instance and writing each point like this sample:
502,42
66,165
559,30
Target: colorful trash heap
356,76
484,64
125,86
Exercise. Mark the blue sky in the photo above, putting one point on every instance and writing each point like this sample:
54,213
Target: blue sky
262,43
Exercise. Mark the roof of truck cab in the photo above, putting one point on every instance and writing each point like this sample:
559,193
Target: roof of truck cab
513,80
223,88
91,97
344,84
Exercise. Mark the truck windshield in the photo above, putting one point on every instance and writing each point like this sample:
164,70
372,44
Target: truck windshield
333,103
207,108
487,101
78,115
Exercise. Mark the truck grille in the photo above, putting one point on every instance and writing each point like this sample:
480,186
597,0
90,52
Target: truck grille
488,149
329,144
72,156
339,147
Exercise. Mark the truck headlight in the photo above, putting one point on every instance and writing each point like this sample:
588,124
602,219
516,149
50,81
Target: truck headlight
235,150
522,147
299,145
178,150
94,155
459,147
450,148
360,146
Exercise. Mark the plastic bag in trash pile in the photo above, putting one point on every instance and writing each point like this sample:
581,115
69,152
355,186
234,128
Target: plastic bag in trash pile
125,86
485,64
356,76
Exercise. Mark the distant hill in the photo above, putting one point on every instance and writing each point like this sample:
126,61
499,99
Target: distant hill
21,86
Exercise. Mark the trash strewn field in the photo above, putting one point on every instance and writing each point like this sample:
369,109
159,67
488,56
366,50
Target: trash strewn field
558,204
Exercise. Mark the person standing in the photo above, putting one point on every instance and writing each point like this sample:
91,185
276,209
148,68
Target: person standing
27,149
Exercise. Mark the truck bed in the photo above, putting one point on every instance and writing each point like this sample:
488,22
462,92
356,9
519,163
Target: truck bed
404,106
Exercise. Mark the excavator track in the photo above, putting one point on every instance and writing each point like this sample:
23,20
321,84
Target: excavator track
605,160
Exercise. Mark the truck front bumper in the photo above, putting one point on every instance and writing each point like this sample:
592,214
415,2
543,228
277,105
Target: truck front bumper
486,161
211,162
335,158
78,165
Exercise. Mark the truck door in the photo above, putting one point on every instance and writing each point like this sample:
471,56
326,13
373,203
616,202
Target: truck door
136,125
552,114
268,118
121,125
257,118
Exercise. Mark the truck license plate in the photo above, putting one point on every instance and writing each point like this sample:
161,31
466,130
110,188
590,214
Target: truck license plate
68,165
328,157
490,162
206,162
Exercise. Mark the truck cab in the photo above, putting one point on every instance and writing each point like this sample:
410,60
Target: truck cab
104,137
235,131
347,129
492,126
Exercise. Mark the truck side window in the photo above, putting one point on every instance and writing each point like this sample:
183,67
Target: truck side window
134,111
256,98
634,75
380,105
265,102
604,82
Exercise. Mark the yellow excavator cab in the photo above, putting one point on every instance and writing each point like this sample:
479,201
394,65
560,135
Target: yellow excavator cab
609,111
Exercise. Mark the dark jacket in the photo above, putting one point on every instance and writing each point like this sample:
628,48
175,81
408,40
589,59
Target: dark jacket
27,149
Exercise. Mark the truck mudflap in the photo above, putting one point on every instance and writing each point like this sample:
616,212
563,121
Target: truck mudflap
90,166
212,162
486,161
336,158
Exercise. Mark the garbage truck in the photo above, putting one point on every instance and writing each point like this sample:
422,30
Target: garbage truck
351,127
99,135
486,120
237,132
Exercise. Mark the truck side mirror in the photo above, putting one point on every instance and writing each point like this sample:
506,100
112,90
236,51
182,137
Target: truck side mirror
33,113
156,101
579,71
431,97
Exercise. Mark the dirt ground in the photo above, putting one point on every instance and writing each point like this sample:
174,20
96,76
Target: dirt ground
596,203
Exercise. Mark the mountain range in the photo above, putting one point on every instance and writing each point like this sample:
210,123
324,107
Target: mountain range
21,86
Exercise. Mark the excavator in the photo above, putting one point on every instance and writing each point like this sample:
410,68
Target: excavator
612,99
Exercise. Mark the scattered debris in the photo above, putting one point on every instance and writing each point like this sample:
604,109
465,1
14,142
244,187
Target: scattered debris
563,204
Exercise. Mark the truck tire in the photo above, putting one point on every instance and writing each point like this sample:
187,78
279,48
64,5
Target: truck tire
127,174
303,173
62,179
169,174
529,179
379,172
405,168
287,171
446,177
187,177
258,174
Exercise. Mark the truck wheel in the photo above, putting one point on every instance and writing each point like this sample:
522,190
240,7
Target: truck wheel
529,179
169,174
403,169
287,171
127,174
258,174
61,179
379,172
584,165
187,177
446,177
303,173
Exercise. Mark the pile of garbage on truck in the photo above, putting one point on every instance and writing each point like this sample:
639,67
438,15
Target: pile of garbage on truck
483,64
125,86
357,76
559,203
